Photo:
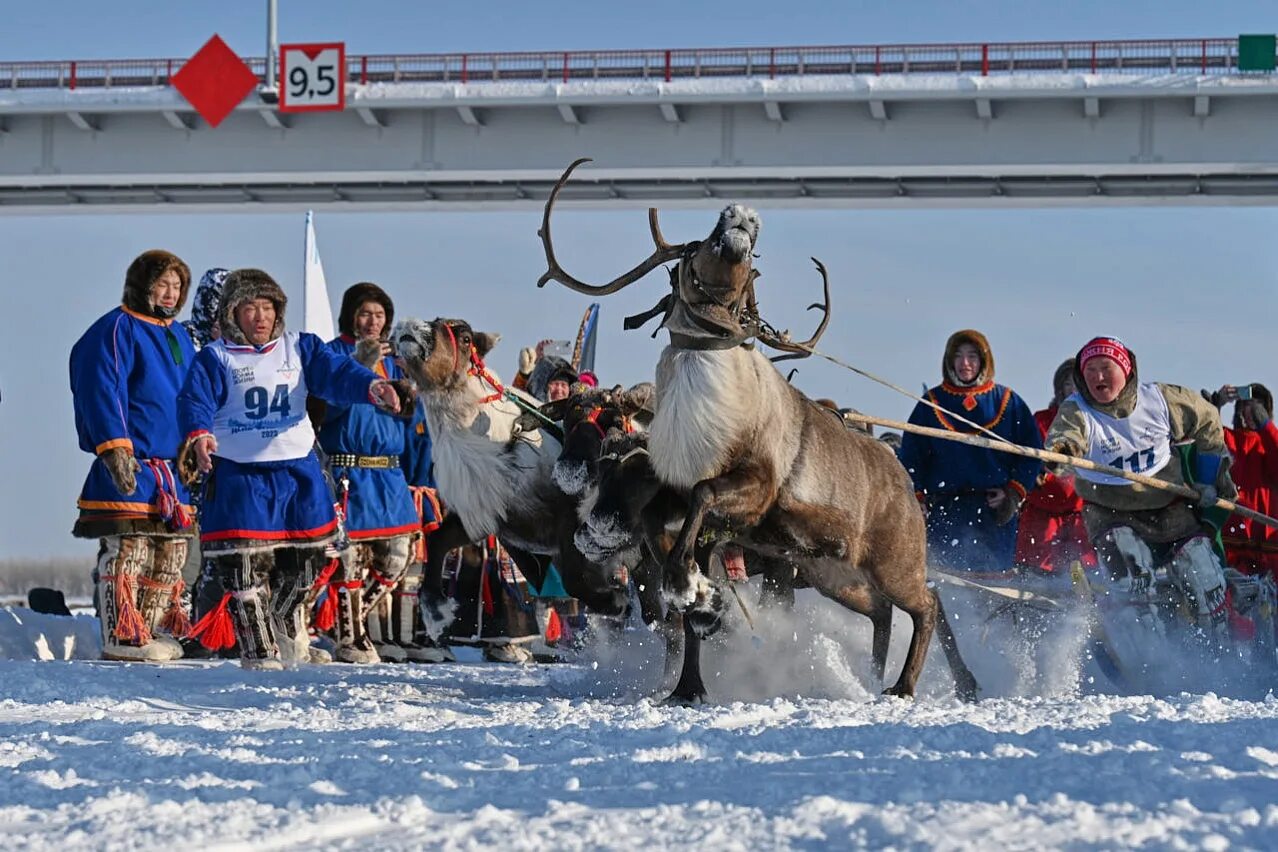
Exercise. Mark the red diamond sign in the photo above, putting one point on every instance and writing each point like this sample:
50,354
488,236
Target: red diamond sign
214,81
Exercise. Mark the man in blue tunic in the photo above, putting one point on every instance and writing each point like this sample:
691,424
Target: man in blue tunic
365,445
125,371
971,495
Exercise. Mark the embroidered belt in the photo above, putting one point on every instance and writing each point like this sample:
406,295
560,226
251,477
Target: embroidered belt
352,460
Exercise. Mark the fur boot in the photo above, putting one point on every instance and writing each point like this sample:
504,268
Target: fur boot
162,601
123,562
246,577
353,644
390,562
292,578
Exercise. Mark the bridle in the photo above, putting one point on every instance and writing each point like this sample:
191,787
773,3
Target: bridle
477,368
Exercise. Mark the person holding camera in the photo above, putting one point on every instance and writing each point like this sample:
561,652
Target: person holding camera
1253,441
364,445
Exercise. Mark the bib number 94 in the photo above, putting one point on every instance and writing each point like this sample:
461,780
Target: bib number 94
259,404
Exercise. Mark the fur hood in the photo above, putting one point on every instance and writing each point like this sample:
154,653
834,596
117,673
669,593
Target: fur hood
208,294
142,274
982,345
1125,404
357,295
245,285
548,368
1063,372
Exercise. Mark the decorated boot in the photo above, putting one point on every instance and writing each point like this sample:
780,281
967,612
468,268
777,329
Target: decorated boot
162,601
122,563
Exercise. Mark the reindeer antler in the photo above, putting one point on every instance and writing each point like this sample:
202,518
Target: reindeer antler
782,341
554,272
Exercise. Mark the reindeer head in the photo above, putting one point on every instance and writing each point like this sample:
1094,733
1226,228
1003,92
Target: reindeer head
713,280
589,419
438,355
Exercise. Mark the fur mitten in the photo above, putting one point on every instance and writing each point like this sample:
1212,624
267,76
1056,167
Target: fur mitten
527,360
368,352
123,468
407,393
1005,511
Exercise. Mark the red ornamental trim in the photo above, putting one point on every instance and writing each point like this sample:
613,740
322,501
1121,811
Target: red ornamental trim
272,535
944,421
384,532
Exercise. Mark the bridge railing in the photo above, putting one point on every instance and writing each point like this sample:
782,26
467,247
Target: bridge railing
1215,56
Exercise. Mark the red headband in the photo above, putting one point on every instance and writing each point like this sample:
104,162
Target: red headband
1108,347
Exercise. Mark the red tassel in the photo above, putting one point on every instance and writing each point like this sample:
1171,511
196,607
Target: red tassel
554,629
129,624
176,621
215,630
326,614
486,591
326,574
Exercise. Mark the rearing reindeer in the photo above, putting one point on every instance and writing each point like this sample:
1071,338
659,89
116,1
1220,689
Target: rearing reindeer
744,446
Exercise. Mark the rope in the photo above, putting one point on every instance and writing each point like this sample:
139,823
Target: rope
811,351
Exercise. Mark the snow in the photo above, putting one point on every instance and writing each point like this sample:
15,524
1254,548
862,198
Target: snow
811,86
797,750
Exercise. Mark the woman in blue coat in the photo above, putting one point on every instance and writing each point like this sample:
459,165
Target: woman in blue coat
971,495
267,512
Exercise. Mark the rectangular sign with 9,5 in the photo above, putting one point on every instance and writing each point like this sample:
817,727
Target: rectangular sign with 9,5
312,77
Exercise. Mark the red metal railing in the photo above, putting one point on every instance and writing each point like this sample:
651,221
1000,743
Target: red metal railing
1216,56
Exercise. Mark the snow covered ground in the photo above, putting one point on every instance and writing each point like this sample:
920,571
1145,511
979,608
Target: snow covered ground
797,751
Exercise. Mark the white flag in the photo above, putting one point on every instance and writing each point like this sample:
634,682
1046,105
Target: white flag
317,312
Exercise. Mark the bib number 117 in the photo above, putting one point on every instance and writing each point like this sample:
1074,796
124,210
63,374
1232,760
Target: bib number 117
312,77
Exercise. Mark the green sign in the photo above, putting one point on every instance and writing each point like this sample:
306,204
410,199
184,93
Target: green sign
1256,52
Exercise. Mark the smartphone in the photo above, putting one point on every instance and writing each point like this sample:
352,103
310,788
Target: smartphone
1244,391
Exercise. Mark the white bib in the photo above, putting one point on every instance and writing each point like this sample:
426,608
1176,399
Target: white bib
1139,443
264,416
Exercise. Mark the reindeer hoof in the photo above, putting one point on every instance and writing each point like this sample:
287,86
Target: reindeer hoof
680,698
705,617
900,691
968,691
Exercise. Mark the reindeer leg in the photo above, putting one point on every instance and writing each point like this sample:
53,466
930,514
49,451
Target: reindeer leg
965,684
436,610
864,599
690,689
922,609
742,495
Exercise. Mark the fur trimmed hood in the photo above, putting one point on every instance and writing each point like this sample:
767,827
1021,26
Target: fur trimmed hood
1063,372
204,313
355,296
245,285
142,274
974,337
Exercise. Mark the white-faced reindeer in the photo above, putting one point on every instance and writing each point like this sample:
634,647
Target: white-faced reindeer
494,478
748,450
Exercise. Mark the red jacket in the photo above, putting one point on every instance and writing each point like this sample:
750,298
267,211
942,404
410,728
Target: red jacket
1051,534
1251,547
1054,496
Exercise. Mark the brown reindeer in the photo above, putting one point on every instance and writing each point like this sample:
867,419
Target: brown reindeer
753,453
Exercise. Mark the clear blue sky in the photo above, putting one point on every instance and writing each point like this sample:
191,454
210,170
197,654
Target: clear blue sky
1190,289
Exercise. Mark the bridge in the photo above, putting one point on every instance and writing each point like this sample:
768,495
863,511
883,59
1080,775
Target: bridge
972,125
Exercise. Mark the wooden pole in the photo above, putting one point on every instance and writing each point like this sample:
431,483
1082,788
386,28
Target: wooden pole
1059,458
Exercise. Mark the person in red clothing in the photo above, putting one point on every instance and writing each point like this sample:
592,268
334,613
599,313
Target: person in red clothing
1250,547
1051,534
